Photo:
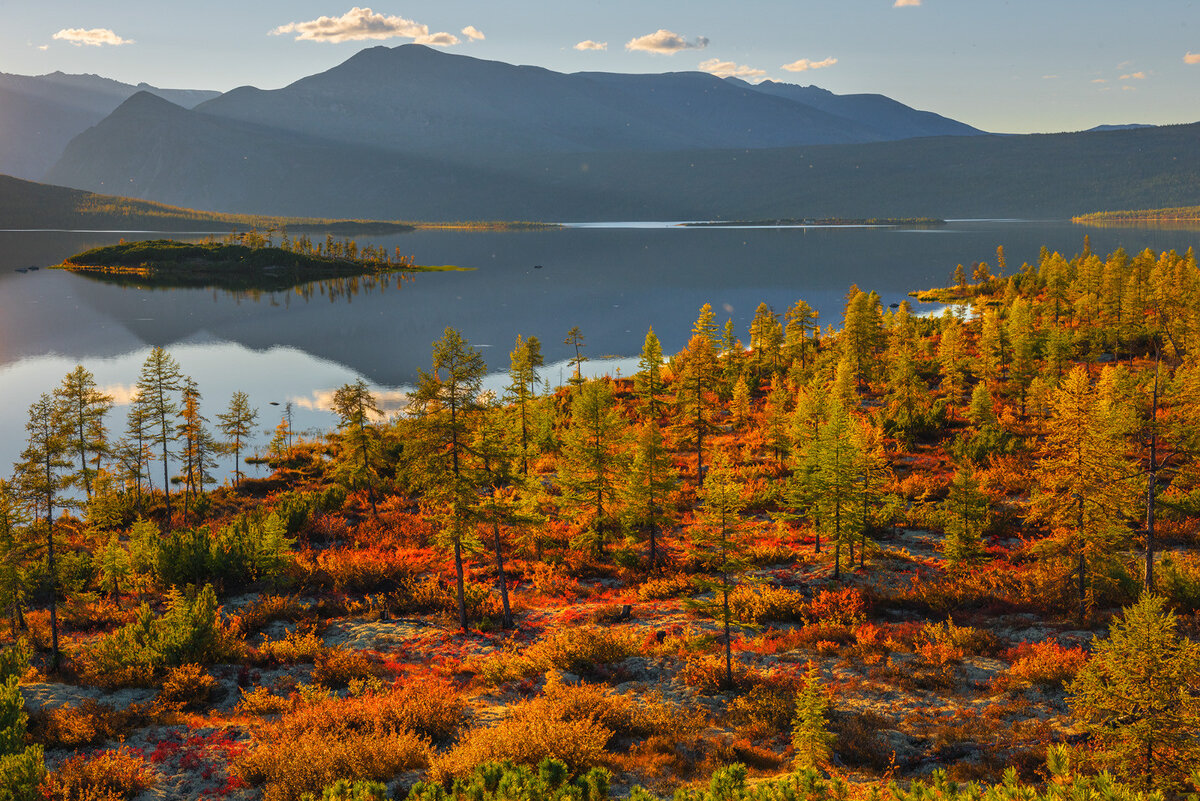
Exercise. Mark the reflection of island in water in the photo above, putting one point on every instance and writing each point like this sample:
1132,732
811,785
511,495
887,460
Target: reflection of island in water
249,267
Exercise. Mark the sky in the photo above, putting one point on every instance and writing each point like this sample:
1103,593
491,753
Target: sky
1019,66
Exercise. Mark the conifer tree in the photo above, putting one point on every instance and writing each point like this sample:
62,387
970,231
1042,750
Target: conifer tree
717,539
575,339
593,451
157,408
84,410
1139,697
835,477
695,401
952,358
811,739
648,383
198,445
871,473
766,343
14,551
862,331
237,424
799,320
739,404
522,374
1024,347
648,485
1084,489
992,353
494,468
443,403
965,515
355,405
42,475
775,421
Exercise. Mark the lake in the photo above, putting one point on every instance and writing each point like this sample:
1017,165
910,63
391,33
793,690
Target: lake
611,280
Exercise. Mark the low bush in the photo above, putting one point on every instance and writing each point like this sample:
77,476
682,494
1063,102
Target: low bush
763,711
346,790
89,723
296,646
1044,663
658,589
846,607
945,643
338,667
187,687
323,739
579,650
102,776
21,766
188,631
504,781
766,602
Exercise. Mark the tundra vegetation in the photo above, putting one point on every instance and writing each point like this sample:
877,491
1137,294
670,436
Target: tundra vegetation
941,555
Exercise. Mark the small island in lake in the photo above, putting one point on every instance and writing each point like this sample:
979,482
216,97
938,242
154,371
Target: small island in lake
1186,216
243,261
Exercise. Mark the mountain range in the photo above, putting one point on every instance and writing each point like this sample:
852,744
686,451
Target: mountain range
411,132
42,113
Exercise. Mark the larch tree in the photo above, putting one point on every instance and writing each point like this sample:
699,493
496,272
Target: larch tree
648,382
42,476
647,488
14,551
965,514
522,374
1084,489
237,424
717,539
1139,697
84,410
799,320
355,406
443,403
156,386
493,465
594,463
835,477
197,446
575,339
872,473
811,738
695,398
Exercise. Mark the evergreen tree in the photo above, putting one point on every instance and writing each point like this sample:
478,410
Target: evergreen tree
648,485
952,358
14,551
739,404
871,473
42,476
695,401
775,421
1139,697
494,468
799,320
718,539
811,739
443,403
522,374
648,383
157,408
1083,488
964,516
198,445
84,409
766,343
835,477
22,767
237,424
593,452
575,339
355,405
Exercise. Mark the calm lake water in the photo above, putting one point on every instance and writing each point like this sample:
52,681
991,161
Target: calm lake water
612,281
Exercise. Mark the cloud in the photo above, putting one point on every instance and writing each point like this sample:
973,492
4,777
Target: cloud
437,39
93,37
727,69
1050,77
588,44
1099,80
906,3
473,33
43,47
1134,76
363,23
1191,58
667,42
803,65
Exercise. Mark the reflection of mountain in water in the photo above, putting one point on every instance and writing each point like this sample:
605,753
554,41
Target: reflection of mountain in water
613,284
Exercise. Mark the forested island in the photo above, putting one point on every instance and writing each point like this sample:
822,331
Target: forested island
1181,214
913,556
247,261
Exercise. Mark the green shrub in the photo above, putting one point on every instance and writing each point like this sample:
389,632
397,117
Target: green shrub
21,766
504,781
346,790
188,632
253,546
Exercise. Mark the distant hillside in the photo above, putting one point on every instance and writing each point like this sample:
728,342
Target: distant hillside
892,119
422,101
1180,215
42,113
26,204
152,149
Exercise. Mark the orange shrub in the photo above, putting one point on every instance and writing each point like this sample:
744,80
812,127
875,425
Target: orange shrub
1045,663
187,687
89,723
847,607
103,776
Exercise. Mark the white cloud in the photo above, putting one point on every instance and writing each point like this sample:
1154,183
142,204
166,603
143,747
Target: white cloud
906,3
803,65
1134,76
43,47
1099,80
93,37
473,33
441,39
362,23
1191,58
727,69
667,42
1049,77
588,44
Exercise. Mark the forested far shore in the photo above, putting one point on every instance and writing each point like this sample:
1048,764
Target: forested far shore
956,550
1180,214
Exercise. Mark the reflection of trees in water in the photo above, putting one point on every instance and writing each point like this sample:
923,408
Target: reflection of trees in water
335,289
